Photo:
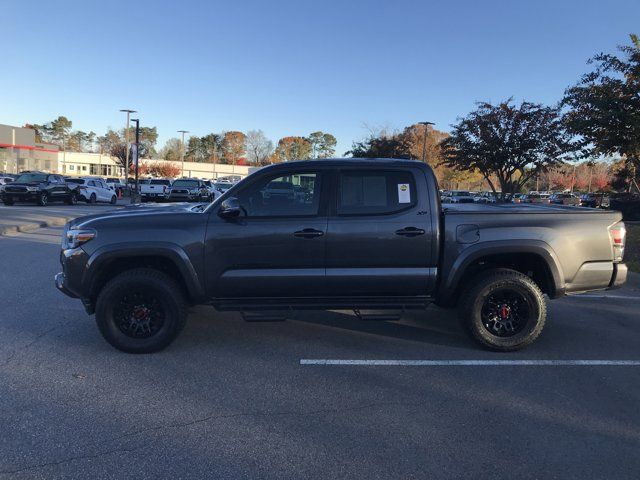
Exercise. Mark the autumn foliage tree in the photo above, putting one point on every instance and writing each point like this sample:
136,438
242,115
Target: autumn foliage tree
508,144
233,147
293,148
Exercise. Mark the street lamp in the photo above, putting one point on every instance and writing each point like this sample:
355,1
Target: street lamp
424,139
182,149
126,139
134,198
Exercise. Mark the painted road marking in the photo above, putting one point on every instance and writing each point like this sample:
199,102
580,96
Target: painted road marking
473,363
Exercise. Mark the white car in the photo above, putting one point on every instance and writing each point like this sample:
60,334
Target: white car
215,193
92,190
459,196
115,183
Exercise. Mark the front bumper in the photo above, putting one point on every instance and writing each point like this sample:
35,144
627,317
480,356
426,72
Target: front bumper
619,275
20,196
60,285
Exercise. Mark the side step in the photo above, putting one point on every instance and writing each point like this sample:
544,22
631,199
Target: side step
265,316
380,317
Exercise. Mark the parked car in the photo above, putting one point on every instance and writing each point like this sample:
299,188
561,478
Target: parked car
516,198
369,236
155,189
38,187
214,193
222,186
595,200
485,197
188,190
535,198
459,196
564,199
116,184
92,190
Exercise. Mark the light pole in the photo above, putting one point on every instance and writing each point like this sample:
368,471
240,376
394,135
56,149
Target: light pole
126,139
182,149
134,198
424,139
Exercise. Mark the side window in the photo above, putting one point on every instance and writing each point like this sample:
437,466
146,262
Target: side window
291,195
375,192
91,183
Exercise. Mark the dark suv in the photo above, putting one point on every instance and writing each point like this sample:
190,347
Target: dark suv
40,188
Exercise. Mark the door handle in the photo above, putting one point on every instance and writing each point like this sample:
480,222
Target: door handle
308,233
410,232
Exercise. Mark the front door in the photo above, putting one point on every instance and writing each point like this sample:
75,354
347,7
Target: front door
380,234
276,248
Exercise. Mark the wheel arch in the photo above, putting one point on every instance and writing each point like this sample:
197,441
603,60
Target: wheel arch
107,262
533,258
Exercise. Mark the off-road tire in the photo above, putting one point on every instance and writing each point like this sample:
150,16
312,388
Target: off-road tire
480,287
150,282
43,199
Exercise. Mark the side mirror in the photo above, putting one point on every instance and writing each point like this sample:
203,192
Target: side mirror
230,208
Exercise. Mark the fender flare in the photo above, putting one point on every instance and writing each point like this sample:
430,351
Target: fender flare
542,249
167,250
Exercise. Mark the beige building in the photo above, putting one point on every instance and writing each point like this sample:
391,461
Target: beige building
19,151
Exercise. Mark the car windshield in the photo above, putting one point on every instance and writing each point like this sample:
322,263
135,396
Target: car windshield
186,183
78,181
160,182
113,180
32,177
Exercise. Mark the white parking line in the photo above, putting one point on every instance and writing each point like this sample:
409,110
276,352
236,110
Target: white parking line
438,363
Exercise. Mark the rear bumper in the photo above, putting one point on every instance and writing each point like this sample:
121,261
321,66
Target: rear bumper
619,275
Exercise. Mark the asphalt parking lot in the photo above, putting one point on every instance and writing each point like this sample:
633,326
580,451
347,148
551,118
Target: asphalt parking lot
231,399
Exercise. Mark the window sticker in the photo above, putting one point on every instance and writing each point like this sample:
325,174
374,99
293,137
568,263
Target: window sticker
404,193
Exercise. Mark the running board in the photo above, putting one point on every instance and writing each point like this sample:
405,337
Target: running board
379,317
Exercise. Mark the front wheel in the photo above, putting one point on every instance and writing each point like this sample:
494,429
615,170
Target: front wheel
93,198
114,199
503,310
43,199
141,311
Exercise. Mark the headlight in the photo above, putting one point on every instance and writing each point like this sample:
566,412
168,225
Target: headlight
74,238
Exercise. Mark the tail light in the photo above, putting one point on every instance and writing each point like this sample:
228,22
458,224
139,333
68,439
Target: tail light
617,233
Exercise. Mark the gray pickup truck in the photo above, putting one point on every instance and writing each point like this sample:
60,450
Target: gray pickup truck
362,234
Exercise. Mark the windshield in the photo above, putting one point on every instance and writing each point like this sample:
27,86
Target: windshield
32,177
160,182
186,183
78,181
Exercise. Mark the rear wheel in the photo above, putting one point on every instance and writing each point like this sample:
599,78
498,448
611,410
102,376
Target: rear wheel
43,199
141,311
93,198
503,310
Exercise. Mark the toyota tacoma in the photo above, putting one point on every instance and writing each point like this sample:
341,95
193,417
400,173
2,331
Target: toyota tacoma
368,234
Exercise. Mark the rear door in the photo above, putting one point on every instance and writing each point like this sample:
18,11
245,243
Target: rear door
380,236
276,248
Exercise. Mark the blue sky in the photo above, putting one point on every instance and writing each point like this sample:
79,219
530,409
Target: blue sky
293,67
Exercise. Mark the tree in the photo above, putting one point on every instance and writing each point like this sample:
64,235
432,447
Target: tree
258,147
233,147
604,106
171,150
323,145
508,144
382,146
162,170
293,148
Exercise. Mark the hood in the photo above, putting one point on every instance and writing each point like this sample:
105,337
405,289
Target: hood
140,210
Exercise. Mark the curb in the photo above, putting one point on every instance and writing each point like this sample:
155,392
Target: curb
32,226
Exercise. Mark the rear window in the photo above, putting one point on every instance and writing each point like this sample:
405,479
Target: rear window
375,192
160,182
